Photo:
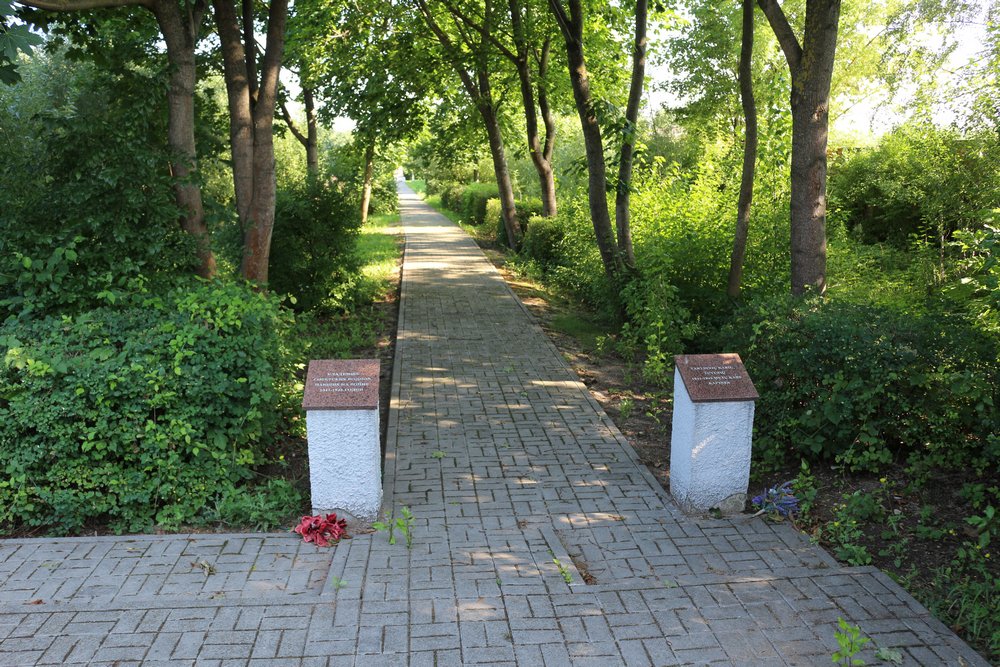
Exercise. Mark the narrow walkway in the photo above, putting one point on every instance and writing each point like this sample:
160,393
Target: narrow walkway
538,539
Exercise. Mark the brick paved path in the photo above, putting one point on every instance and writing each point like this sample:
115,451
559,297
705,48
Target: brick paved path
518,482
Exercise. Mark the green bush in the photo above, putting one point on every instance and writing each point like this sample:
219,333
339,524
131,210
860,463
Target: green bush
87,210
385,198
138,415
919,181
865,385
542,239
474,198
657,326
315,230
451,196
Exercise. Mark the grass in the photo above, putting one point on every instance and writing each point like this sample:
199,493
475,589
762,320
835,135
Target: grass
356,329
379,249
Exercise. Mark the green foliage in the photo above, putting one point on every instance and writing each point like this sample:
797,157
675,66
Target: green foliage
920,182
87,212
542,240
526,209
850,641
966,595
260,508
403,523
14,39
315,229
862,385
138,415
657,326
979,287
473,202
451,195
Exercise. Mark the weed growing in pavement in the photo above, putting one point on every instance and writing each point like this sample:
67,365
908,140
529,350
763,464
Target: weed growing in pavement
850,641
564,571
404,524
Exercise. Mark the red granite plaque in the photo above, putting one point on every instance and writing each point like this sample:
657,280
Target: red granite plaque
715,378
341,384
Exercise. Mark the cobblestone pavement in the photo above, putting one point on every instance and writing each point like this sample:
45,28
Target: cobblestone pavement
538,539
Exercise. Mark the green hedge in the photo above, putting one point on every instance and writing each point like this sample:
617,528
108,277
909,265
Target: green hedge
137,416
315,232
864,386
527,209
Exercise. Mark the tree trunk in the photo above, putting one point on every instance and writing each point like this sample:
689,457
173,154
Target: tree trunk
811,67
808,196
240,115
508,210
312,134
251,131
623,191
548,182
594,146
749,154
481,94
180,36
540,157
366,190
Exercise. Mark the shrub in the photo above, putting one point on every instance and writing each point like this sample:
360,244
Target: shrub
385,199
919,181
87,210
451,196
137,415
315,230
542,239
473,203
862,385
657,326
525,208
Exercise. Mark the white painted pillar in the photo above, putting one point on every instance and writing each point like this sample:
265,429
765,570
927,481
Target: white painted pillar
711,433
342,424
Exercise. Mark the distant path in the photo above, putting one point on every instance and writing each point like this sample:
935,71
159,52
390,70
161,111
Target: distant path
517,479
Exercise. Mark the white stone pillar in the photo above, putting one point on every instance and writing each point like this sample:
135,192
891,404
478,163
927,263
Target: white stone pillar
342,424
711,433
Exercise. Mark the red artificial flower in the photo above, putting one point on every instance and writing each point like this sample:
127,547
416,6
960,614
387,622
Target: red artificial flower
321,530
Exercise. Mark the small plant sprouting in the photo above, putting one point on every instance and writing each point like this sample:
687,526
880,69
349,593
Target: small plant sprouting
403,524
851,642
438,454
337,583
564,571
625,408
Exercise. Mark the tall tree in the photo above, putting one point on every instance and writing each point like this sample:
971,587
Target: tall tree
627,155
811,66
179,24
469,56
530,53
358,59
749,153
616,253
252,98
